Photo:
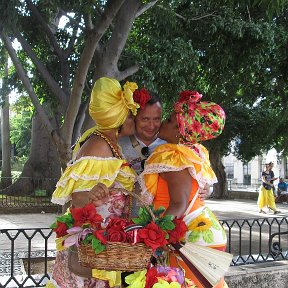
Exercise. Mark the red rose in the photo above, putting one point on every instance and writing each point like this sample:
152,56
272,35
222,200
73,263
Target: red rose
116,236
151,277
117,224
100,235
186,95
61,229
86,214
178,232
141,96
152,236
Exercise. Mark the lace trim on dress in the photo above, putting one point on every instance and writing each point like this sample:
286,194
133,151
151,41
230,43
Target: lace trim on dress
126,174
62,200
162,168
71,163
76,177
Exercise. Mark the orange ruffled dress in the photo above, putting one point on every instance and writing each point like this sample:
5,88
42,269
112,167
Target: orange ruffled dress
204,228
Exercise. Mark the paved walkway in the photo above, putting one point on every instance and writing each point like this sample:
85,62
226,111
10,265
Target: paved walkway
224,209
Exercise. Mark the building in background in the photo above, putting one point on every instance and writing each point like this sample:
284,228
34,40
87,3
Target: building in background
249,173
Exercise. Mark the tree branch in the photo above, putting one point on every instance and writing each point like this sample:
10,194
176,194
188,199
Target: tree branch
52,84
185,19
75,22
112,7
145,7
122,27
46,28
127,72
26,82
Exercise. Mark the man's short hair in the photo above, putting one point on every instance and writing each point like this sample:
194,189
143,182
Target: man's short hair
154,98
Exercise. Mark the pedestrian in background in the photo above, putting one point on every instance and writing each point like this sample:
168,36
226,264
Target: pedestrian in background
282,193
266,196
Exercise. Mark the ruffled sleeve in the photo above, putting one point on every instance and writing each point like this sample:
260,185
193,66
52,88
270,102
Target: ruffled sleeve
172,157
85,173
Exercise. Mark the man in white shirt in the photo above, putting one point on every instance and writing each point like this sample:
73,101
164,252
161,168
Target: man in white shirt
137,148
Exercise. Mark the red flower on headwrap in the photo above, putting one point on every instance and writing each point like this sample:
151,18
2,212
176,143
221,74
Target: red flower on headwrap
189,95
141,96
196,127
215,126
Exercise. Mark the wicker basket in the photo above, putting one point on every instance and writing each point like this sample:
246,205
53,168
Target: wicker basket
118,256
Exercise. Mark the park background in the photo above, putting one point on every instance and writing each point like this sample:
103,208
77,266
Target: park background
233,52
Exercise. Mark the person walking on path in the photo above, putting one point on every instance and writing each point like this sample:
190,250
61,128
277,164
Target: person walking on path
266,196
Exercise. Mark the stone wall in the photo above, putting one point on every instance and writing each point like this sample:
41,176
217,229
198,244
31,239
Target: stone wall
262,275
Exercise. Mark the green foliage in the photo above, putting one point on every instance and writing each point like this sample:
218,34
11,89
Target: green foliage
164,222
233,52
65,218
21,125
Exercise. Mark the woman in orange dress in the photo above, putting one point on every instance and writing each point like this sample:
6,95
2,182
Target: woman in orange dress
175,171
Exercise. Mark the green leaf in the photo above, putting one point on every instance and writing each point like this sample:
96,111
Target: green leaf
159,211
53,225
207,236
166,222
194,236
66,218
97,245
88,239
144,217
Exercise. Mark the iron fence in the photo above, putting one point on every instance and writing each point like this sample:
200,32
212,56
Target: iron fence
27,255
37,195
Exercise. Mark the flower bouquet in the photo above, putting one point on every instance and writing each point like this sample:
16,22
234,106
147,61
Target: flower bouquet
116,243
159,277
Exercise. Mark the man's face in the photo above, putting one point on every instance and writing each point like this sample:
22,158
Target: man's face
148,121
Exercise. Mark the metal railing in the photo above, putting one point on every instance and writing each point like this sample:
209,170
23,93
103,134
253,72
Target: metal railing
237,186
37,195
27,255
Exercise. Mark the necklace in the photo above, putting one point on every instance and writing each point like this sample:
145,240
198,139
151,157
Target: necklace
114,149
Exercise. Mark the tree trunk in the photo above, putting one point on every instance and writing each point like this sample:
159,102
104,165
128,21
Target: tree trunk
42,170
220,189
6,179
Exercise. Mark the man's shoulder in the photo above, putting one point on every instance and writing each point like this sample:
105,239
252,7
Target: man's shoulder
124,140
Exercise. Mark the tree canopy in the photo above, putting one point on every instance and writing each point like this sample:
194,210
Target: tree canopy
233,52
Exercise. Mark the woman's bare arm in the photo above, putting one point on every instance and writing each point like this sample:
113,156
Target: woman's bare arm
179,187
96,147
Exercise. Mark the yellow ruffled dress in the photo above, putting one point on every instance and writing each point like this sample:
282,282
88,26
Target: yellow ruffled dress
79,176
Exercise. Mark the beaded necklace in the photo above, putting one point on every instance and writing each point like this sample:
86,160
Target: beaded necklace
117,154
114,149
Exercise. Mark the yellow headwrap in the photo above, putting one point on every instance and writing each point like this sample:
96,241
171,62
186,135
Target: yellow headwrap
109,106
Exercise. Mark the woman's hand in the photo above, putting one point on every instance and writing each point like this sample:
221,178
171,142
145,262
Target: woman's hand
98,194
204,192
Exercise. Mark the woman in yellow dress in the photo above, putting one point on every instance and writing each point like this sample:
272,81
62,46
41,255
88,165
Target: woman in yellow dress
174,172
266,196
96,165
